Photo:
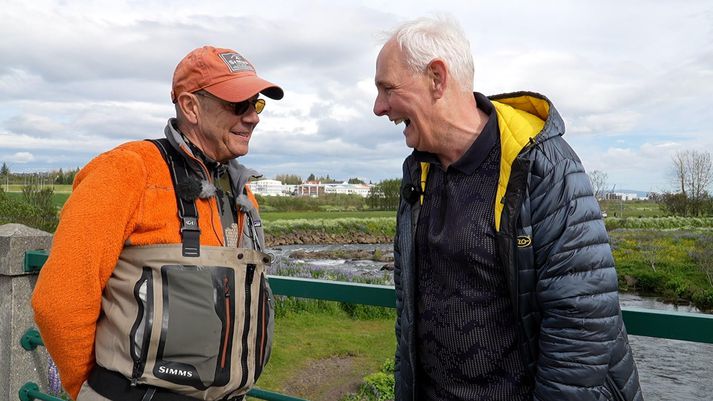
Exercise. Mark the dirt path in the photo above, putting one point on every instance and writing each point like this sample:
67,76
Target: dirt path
326,379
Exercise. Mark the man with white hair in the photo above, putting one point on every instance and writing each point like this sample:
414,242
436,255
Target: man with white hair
505,281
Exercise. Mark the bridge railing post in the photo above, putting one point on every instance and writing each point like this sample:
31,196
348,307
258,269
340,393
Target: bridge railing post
18,366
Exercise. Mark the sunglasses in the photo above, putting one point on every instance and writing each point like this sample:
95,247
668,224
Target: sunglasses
239,108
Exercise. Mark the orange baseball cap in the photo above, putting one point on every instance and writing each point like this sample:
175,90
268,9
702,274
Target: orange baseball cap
222,72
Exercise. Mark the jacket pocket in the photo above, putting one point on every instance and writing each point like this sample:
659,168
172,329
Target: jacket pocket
140,333
265,319
198,321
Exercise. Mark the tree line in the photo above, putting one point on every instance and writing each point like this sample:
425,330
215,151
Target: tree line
382,196
692,176
292,179
56,177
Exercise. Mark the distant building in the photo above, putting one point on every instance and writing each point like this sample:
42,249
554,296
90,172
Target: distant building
267,188
624,196
317,188
347,189
289,189
310,188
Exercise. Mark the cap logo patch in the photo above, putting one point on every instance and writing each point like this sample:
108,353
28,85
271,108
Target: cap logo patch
236,62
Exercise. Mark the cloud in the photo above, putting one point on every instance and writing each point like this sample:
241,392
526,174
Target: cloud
80,77
20,157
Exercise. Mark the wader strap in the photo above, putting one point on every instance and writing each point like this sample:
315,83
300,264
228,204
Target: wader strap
116,387
187,211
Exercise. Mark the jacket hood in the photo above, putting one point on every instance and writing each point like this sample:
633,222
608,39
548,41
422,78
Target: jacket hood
525,119
522,110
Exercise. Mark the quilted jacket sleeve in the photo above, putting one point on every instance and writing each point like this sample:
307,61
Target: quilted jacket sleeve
577,282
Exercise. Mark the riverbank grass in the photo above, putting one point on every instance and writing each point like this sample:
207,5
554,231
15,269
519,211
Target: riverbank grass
324,355
666,263
310,215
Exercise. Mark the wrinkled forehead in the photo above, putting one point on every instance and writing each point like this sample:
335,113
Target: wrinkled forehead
390,62
391,51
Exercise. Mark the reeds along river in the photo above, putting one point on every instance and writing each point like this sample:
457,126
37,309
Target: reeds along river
669,370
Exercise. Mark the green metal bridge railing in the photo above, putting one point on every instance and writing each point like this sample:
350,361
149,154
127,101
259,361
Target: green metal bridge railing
686,326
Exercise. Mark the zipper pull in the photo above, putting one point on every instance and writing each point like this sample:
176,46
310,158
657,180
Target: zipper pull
250,273
226,287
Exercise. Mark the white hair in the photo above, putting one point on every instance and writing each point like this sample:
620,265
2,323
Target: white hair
424,39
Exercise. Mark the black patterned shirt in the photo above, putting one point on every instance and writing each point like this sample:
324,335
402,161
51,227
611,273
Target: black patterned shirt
466,333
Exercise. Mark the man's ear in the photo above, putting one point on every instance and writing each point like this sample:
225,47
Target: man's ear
190,108
438,77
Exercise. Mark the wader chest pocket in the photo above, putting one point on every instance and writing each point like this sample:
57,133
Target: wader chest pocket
197,324
141,329
265,322
200,329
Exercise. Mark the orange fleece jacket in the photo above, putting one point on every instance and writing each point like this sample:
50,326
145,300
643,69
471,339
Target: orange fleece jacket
123,197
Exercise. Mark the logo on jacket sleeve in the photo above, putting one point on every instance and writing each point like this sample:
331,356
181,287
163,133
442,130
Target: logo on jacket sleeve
523,241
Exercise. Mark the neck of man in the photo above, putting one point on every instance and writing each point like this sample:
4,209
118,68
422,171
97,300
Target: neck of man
212,165
462,127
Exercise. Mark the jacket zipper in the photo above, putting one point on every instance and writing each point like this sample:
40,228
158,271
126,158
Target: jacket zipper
262,326
250,272
415,212
514,207
226,338
145,315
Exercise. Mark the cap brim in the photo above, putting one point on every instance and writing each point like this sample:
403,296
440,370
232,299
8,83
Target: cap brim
245,87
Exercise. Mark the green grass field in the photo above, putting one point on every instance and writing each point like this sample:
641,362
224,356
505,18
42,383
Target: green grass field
668,263
65,188
272,216
58,198
316,354
638,208
614,208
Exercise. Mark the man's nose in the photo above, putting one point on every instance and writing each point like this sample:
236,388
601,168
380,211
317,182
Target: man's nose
251,116
381,107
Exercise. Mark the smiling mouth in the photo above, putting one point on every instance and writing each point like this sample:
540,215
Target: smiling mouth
402,120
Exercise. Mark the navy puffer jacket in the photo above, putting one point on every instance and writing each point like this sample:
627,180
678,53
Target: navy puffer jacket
555,248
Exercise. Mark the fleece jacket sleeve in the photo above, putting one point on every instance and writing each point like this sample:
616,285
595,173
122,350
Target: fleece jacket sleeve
95,222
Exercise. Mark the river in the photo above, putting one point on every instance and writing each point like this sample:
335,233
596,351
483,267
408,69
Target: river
669,370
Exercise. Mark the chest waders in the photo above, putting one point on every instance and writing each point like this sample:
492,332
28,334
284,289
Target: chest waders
184,321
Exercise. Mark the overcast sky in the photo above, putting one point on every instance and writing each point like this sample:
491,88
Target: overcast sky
632,79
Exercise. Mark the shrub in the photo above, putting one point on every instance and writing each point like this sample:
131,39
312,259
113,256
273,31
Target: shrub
650,281
703,298
703,256
373,225
35,209
377,386
613,223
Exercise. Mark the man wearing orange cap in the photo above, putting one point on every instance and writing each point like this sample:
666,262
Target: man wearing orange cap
155,285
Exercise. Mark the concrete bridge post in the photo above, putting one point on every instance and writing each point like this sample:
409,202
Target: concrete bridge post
18,366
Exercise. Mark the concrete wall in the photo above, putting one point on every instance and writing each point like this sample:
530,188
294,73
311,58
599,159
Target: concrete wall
18,366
